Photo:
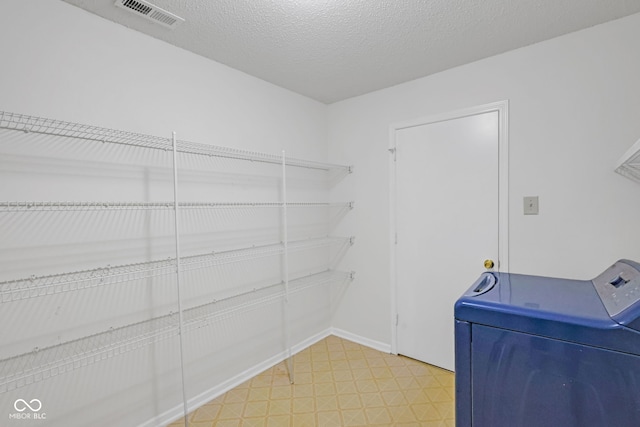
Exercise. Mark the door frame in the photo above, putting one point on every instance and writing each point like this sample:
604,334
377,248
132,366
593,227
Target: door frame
502,108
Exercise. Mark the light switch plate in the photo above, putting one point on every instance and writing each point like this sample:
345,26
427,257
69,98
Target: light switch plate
531,205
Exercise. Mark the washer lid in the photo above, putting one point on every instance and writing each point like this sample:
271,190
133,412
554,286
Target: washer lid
534,297
567,310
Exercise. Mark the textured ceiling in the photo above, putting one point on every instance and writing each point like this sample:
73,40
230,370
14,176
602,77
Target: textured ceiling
331,50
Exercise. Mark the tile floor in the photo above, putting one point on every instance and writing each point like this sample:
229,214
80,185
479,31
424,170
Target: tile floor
337,383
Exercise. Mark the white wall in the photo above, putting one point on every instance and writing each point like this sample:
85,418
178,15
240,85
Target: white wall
575,103
61,62
574,110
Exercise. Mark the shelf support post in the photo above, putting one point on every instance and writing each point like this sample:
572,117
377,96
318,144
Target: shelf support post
176,217
287,326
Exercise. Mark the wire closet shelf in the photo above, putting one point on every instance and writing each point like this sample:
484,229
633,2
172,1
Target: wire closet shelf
32,124
40,286
43,363
49,206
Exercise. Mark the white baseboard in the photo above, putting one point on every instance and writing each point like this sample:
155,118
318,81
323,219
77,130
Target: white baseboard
176,413
367,342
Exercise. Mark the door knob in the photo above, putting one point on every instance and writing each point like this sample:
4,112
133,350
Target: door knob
488,264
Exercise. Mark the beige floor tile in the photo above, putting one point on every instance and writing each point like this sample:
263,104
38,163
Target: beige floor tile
346,387
367,386
394,398
377,362
445,409
320,365
254,422
231,411
280,392
358,363
303,377
381,372
396,361
407,383
401,371
259,393
425,412
342,364
401,414
322,377
303,390
227,423
437,394
304,420
342,375
337,355
236,395
326,403
279,407
304,405
378,416
302,367
279,421
353,417
324,389
415,396
256,409
320,357
387,384
372,400
337,383
349,401
206,412
329,419
362,374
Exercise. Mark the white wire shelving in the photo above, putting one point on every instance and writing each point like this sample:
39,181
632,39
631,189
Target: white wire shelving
629,164
39,125
44,126
44,363
40,286
51,206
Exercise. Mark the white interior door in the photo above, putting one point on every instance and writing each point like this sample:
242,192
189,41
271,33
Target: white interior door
447,225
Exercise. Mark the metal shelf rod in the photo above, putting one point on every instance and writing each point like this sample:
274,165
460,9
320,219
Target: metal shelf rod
285,262
176,217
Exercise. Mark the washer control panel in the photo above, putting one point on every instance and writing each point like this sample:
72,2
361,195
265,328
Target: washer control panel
619,286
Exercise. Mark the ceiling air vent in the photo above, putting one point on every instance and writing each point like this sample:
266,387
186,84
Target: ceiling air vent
150,11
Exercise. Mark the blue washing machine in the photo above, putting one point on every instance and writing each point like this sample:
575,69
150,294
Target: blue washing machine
545,352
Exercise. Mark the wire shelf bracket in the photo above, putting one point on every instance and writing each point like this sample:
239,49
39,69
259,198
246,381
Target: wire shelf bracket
629,164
